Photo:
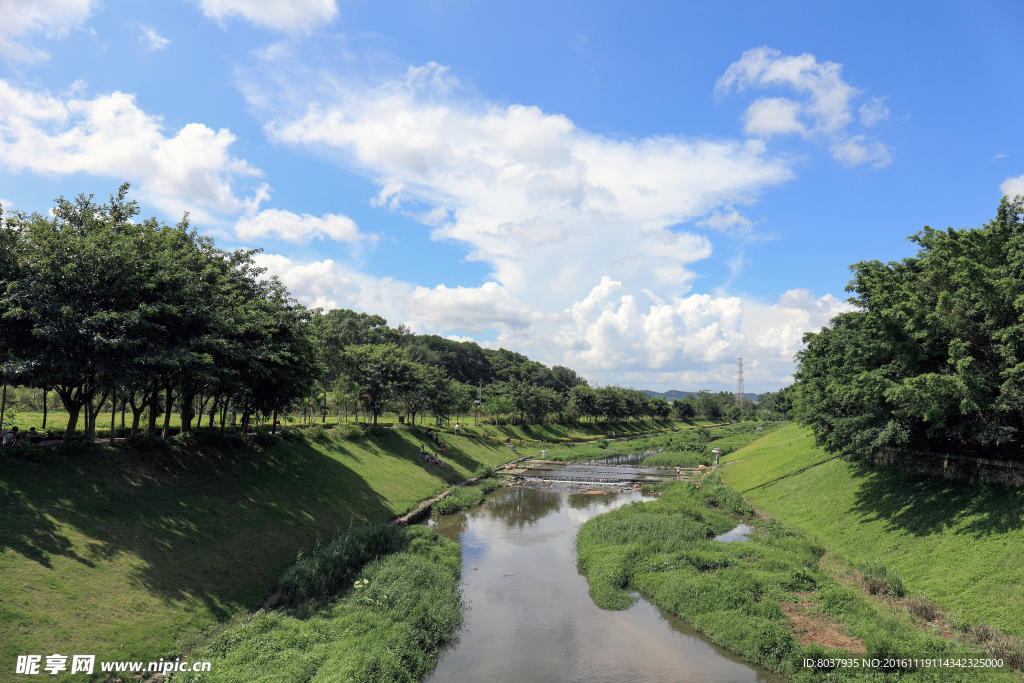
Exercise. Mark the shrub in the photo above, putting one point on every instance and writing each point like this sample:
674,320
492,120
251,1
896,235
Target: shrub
265,438
450,504
880,579
324,571
602,442
351,431
921,606
317,433
484,472
293,434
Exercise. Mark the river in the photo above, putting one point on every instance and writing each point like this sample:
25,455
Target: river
531,618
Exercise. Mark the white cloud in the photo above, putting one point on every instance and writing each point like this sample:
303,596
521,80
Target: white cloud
590,266
824,112
1013,186
53,18
689,342
773,116
281,15
726,219
295,228
545,203
874,111
189,169
151,39
859,150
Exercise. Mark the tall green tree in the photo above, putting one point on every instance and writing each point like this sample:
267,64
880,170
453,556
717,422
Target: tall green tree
381,371
933,357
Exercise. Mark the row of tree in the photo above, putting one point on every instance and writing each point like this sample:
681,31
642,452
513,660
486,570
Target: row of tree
933,357
104,309
97,305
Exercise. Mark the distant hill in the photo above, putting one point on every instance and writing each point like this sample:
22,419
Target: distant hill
675,394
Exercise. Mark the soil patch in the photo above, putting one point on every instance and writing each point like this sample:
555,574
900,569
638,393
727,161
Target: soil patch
809,628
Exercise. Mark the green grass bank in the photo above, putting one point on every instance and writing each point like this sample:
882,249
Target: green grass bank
128,555
132,553
959,543
759,597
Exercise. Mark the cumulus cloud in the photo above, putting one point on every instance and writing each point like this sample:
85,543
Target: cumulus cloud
689,341
52,18
280,15
190,169
824,111
1013,186
548,206
151,39
329,284
295,228
591,261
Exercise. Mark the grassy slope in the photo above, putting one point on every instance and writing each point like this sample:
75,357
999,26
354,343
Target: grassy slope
960,544
102,554
115,556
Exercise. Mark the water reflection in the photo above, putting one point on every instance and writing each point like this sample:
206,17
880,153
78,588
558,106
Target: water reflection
531,616
624,458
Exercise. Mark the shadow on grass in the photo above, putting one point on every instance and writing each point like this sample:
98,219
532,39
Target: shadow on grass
220,530
924,506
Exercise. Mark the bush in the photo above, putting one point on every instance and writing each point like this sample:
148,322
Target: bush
450,504
324,571
484,472
880,579
317,433
601,442
352,430
265,438
921,606
293,434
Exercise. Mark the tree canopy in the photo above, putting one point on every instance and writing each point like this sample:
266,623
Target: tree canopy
933,357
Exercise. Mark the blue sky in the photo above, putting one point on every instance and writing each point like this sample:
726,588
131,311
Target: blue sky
641,191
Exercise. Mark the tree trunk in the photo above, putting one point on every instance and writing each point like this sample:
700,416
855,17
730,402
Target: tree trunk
168,405
3,406
113,416
185,405
45,393
224,412
273,422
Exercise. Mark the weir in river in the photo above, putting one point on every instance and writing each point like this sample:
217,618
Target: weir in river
530,616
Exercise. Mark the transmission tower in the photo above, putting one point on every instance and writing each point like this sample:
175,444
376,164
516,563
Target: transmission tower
739,385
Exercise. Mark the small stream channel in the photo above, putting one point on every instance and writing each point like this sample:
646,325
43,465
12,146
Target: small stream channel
531,617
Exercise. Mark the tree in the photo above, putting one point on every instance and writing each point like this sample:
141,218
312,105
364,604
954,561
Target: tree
685,409
381,371
934,355
658,407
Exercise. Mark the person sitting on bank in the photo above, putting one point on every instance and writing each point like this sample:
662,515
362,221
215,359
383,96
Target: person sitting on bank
34,437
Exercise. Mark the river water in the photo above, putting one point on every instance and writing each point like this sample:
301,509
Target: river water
532,619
